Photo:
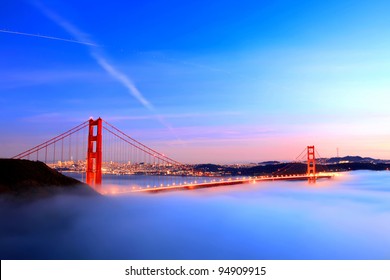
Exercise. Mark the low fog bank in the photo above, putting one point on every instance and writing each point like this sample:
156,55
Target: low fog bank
343,218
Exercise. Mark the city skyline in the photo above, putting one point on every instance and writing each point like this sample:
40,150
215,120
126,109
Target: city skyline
201,82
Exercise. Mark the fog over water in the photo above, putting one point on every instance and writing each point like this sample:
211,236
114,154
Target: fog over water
347,217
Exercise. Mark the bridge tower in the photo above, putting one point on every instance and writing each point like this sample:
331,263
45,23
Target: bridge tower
311,164
94,153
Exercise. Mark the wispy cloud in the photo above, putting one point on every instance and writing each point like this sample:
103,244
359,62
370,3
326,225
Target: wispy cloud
196,134
123,79
97,55
67,26
174,116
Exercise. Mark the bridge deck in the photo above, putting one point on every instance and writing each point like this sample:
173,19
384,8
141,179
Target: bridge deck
232,182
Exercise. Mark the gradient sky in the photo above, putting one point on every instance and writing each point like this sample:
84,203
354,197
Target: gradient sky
201,81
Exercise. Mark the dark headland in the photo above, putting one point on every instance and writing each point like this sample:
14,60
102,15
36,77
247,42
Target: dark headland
34,179
337,164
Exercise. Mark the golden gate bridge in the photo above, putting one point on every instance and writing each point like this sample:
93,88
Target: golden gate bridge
80,150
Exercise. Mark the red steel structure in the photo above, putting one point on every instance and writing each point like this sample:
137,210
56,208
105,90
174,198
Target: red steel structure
311,161
94,153
81,149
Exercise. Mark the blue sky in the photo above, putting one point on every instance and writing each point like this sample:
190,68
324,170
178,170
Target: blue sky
209,81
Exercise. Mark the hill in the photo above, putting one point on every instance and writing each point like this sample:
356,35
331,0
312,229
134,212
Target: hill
335,165
25,178
352,159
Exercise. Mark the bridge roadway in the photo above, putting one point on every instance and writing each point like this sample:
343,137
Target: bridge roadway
229,182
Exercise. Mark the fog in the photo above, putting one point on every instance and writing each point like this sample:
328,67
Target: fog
347,217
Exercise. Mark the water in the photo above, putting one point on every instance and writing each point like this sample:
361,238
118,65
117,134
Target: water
134,182
347,217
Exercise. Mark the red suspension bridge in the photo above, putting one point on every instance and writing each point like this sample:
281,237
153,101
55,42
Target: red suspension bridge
80,151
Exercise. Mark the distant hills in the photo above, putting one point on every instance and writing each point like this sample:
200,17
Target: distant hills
334,164
354,159
334,160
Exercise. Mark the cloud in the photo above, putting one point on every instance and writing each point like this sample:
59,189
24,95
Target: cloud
175,116
67,26
108,67
343,218
123,79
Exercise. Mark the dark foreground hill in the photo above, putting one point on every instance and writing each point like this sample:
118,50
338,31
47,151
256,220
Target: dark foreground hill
24,178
